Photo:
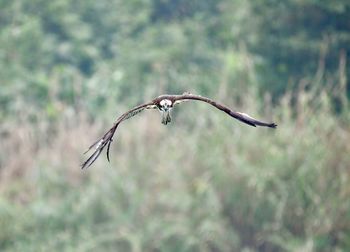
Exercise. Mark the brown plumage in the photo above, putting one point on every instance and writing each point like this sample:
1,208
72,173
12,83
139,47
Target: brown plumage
164,104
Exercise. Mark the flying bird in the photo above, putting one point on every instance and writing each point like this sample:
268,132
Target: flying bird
165,103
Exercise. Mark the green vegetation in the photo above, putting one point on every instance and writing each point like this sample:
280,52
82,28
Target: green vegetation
204,182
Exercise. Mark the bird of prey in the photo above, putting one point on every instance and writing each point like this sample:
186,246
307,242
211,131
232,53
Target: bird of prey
164,103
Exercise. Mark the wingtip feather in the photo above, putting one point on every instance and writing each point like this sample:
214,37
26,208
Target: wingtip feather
91,159
108,147
273,125
97,144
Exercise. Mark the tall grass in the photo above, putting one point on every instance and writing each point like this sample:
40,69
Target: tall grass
203,183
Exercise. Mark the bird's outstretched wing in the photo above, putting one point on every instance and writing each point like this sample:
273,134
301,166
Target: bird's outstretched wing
107,138
237,115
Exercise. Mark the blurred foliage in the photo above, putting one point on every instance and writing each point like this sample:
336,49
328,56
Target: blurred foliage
152,46
300,39
213,184
69,68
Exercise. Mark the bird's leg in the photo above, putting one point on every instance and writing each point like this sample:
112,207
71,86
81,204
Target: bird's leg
164,121
166,117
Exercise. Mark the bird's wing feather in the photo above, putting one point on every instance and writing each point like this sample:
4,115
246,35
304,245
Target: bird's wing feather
237,115
107,138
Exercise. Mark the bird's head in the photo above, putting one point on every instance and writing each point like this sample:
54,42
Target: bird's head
165,104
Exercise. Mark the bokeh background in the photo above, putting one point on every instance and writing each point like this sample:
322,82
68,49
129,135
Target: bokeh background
203,183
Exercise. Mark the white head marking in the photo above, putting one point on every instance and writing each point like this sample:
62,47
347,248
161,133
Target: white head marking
165,104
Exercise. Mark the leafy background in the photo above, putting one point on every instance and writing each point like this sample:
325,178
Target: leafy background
203,183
